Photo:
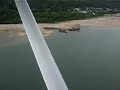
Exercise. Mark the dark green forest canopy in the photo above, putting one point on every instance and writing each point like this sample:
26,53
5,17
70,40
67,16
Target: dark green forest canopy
49,11
63,4
75,3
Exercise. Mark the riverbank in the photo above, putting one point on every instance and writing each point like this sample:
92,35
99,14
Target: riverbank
104,21
48,28
19,29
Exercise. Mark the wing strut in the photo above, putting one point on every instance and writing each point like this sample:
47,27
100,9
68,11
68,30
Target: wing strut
46,63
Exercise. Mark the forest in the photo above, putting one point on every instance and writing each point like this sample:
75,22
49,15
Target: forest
50,11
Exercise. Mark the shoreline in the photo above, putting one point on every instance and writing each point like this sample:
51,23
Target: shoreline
48,28
19,29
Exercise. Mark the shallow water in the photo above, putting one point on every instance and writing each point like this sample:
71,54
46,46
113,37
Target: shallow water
88,60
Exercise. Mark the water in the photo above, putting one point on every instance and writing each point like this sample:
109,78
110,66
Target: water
88,60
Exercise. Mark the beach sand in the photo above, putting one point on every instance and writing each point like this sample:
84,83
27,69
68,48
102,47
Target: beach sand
48,28
19,29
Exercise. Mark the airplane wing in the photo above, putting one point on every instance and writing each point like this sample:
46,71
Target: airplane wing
46,63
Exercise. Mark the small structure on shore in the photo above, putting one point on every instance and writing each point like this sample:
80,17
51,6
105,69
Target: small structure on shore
75,28
63,31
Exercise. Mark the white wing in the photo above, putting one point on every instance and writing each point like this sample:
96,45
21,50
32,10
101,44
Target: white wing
46,63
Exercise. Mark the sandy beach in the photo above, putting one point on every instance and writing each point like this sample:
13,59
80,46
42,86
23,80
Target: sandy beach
104,21
19,29
48,28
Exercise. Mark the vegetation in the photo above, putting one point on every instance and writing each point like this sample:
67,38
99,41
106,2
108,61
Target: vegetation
12,16
65,4
51,17
9,16
50,11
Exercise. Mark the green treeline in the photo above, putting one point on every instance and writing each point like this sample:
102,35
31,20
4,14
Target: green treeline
50,11
65,4
51,17
11,16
